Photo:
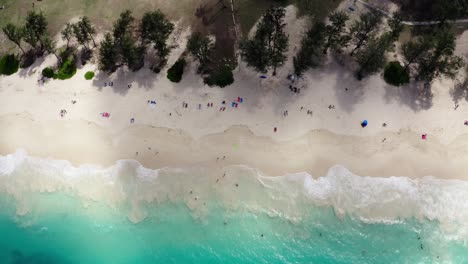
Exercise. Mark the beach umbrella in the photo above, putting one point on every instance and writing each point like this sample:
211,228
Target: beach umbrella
364,123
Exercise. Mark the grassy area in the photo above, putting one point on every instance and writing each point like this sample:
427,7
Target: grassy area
319,9
101,12
249,11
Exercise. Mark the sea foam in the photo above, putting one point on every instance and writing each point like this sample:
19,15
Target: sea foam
129,185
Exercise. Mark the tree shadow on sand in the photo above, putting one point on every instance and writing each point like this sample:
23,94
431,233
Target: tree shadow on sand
30,70
416,95
460,91
123,80
348,90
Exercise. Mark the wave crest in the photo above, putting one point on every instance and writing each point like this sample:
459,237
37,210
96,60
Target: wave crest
129,185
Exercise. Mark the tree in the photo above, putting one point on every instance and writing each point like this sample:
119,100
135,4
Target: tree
35,28
9,64
87,28
413,49
174,74
395,74
269,45
311,52
67,33
107,54
14,34
450,10
439,60
132,56
30,37
49,46
396,25
372,58
221,77
128,52
200,47
84,32
364,29
123,26
337,38
155,29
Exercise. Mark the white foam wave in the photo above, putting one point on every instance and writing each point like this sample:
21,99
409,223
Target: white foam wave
128,184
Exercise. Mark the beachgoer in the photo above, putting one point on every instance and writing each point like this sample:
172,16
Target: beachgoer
275,129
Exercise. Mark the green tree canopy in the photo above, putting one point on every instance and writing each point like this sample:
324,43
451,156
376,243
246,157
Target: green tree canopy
269,45
35,28
84,32
364,29
337,37
155,29
439,60
67,33
311,53
14,34
371,59
200,47
107,54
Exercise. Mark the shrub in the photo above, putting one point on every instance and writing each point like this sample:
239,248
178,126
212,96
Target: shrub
67,70
221,77
9,64
395,74
176,71
48,72
89,75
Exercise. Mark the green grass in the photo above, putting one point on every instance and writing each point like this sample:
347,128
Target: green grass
89,75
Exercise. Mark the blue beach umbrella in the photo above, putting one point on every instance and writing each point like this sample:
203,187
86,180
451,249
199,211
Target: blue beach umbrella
364,123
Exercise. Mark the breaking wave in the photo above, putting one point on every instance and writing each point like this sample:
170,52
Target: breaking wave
129,185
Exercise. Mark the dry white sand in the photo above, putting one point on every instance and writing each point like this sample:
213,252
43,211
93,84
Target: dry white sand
169,135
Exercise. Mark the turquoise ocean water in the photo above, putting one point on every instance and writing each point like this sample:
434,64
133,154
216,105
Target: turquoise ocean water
52,212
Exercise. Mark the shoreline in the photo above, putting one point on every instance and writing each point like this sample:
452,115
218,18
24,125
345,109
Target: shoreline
83,142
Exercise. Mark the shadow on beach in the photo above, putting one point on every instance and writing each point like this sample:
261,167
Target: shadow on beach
122,78
416,95
459,91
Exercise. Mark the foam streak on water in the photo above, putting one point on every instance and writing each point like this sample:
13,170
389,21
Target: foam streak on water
53,210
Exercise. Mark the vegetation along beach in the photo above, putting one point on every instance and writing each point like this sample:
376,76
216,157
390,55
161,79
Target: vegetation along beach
234,131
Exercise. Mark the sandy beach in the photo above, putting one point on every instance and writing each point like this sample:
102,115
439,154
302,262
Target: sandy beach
316,128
